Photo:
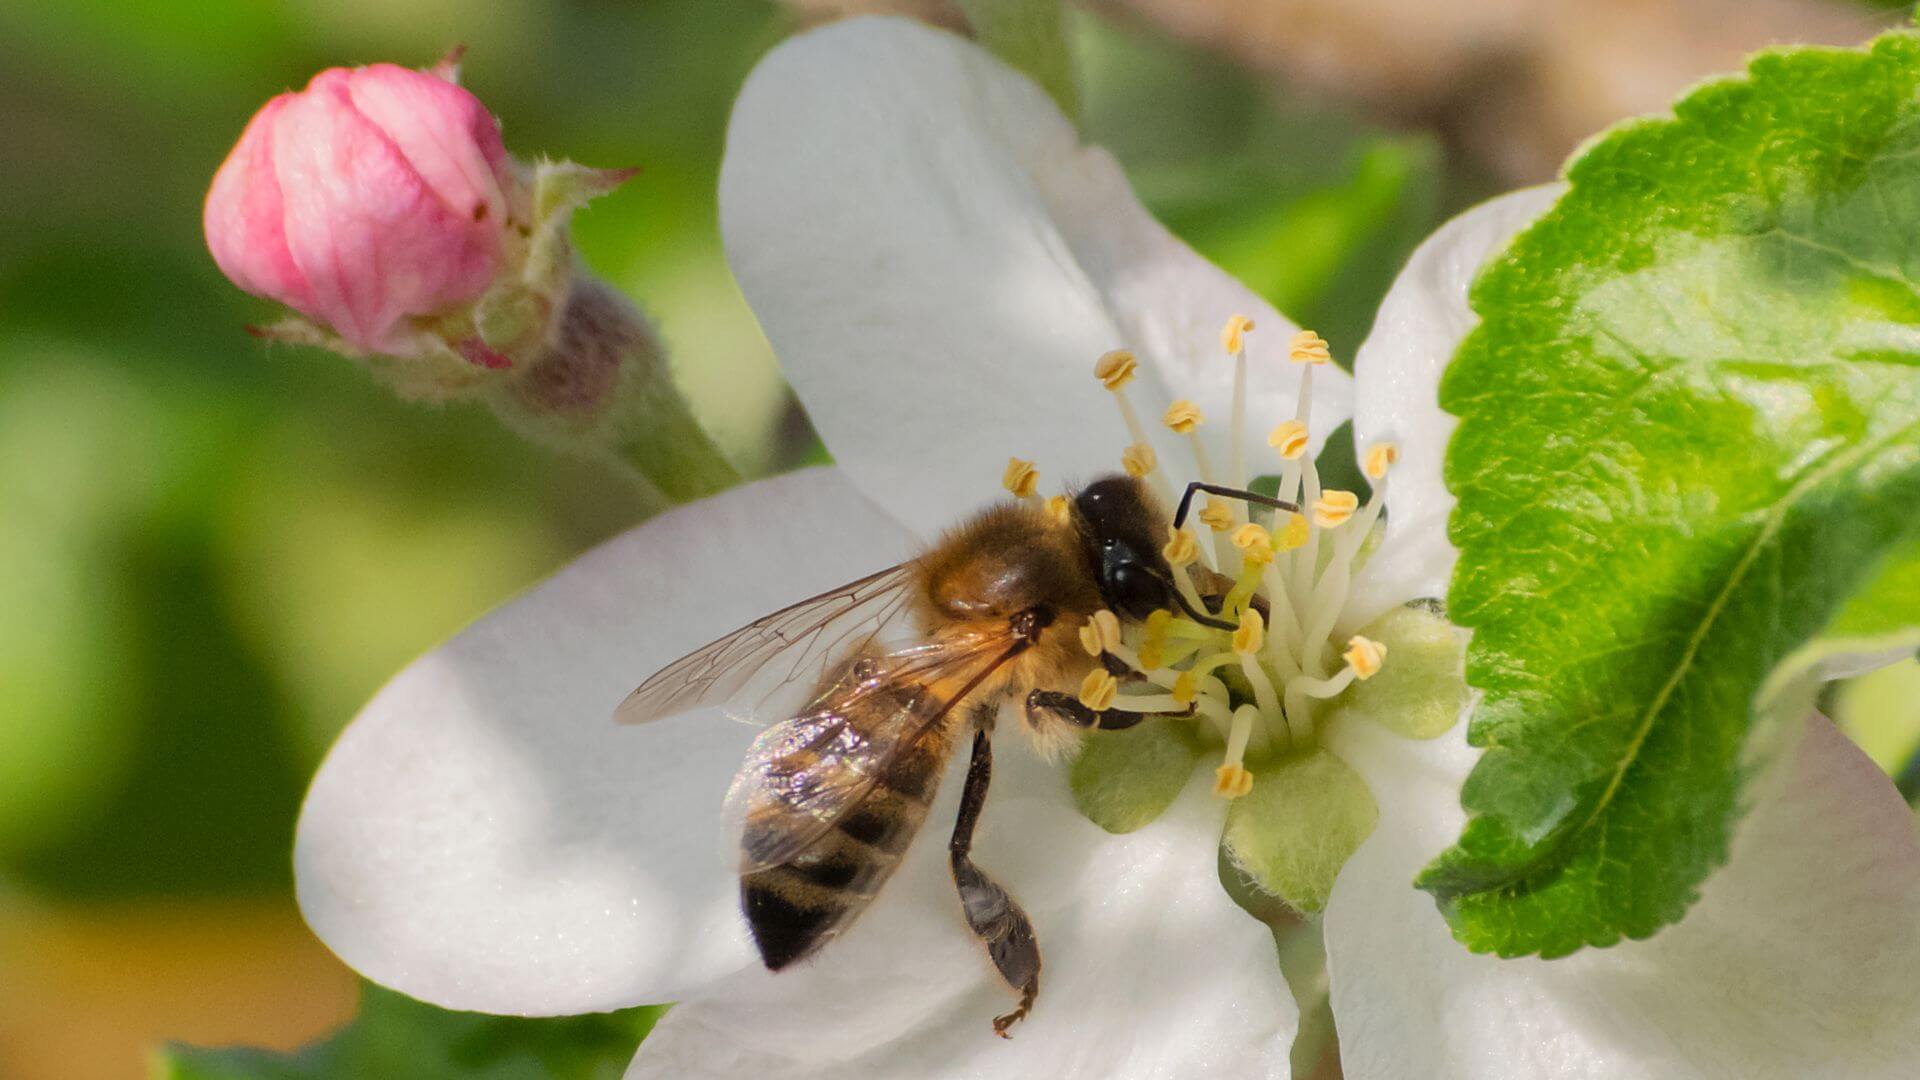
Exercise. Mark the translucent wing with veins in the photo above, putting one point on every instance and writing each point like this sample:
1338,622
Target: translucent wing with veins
748,667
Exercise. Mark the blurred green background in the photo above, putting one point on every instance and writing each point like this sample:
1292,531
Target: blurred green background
214,551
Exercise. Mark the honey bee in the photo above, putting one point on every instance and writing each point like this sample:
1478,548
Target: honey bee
829,799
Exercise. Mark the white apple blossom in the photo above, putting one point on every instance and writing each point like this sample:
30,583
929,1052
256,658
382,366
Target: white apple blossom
939,262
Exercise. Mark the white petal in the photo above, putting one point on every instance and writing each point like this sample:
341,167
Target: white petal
1149,970
1797,961
939,263
1397,373
484,836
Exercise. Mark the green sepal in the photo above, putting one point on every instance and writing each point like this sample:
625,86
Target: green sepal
1124,779
1291,834
1420,690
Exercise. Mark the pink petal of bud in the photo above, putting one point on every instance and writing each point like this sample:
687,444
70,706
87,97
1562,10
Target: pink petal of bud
373,195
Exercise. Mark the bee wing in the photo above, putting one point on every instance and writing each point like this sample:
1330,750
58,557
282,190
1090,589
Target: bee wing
803,775
758,660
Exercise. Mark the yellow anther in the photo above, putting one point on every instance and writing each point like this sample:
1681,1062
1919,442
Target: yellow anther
1115,369
1380,457
1334,507
1185,688
1181,549
1216,515
1232,335
1308,347
1254,542
1293,534
1098,690
1153,642
1139,460
1364,656
1060,509
1251,635
1100,634
1021,477
1289,438
1232,780
1183,416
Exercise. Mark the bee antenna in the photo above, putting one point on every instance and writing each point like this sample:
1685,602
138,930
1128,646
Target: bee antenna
1201,617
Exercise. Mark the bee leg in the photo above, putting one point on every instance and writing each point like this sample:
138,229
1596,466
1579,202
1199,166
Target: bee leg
1068,708
993,916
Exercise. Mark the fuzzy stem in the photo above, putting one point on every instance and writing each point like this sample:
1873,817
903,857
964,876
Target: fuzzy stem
601,387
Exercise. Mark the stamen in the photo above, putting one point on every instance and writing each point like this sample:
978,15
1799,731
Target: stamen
1183,416
1060,509
1232,334
1232,339
1021,478
1115,369
1232,780
1332,509
1098,690
1290,439
1255,544
1185,687
1101,633
1216,515
1292,533
1139,460
1364,656
1181,550
1251,635
1308,347
1380,457
1153,640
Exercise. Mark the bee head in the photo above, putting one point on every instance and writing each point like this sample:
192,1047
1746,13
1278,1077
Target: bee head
1121,535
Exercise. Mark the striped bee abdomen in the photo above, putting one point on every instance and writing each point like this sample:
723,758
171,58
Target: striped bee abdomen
798,905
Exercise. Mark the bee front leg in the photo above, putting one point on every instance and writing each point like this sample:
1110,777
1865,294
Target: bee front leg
1068,708
993,915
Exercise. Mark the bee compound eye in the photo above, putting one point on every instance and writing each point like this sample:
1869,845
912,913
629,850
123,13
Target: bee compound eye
1136,591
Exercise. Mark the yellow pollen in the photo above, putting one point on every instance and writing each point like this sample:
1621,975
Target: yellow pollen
1115,369
1364,656
1232,780
1060,509
1181,549
1098,690
1293,534
1380,457
1101,634
1217,515
1334,507
1254,542
1233,334
1185,688
1251,635
1183,416
1289,438
1021,478
1139,460
1308,347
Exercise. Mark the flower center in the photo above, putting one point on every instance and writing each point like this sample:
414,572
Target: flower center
1272,583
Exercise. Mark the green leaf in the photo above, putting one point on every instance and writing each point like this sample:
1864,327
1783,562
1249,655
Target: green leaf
1031,37
1690,431
1123,779
397,1037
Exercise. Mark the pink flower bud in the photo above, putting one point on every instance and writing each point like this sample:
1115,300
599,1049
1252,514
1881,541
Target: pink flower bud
373,195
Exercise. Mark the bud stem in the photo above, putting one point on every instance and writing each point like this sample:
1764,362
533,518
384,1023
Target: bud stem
601,387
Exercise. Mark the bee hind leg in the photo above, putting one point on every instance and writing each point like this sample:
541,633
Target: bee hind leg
993,915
